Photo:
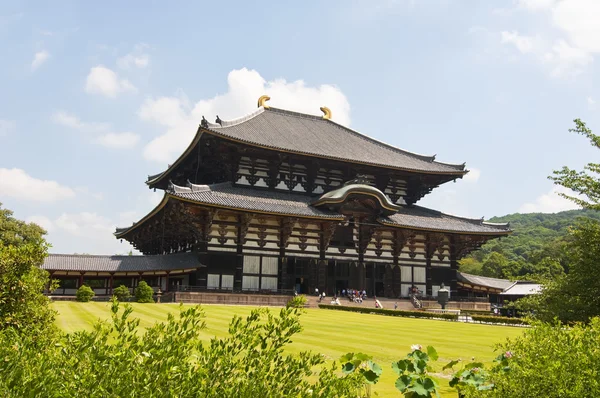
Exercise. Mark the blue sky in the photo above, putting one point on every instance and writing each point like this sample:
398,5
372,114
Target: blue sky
94,96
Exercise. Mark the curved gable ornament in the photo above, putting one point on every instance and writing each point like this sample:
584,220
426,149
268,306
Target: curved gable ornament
354,193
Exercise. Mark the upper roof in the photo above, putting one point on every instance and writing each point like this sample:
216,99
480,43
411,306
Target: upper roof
91,263
226,195
311,135
484,281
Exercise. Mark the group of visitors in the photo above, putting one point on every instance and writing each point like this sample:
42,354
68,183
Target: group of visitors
354,295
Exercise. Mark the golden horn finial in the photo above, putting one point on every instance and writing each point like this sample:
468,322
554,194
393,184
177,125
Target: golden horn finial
262,100
326,112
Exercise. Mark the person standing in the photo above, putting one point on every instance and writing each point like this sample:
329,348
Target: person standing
317,291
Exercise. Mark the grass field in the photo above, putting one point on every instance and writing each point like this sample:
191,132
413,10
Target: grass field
332,333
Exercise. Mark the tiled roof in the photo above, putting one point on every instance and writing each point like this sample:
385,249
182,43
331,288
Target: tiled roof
91,263
423,218
484,281
312,135
226,195
522,289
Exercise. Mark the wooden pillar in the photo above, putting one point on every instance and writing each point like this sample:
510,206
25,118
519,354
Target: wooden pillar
322,276
388,289
167,282
110,284
428,277
454,266
80,279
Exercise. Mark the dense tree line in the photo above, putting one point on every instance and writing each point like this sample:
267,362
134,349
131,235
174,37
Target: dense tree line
535,250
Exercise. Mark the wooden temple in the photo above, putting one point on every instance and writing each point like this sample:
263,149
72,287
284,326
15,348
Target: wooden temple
280,201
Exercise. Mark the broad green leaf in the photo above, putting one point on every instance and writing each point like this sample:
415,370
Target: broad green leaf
432,353
474,365
370,376
348,367
450,364
402,383
347,357
375,368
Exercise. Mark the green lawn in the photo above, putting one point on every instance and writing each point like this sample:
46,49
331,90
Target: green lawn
332,333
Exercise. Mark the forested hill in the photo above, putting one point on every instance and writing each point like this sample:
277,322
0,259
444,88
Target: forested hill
534,245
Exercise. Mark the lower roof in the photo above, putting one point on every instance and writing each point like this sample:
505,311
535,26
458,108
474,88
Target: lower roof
93,263
484,281
228,196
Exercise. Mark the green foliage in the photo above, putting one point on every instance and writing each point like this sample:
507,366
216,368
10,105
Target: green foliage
574,297
499,319
413,378
84,294
494,265
550,360
22,303
472,377
298,301
534,251
122,293
383,311
144,293
170,360
585,184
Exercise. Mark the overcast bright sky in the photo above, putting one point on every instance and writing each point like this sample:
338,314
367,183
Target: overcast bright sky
94,96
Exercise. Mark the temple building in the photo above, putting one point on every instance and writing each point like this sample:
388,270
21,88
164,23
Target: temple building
278,201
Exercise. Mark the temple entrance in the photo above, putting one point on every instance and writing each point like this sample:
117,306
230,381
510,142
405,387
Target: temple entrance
301,286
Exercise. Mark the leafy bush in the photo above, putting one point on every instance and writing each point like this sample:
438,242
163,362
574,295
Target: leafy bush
23,306
298,301
121,293
383,311
84,294
414,380
144,293
171,360
550,360
500,319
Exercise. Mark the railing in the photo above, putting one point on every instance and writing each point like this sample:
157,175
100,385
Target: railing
188,288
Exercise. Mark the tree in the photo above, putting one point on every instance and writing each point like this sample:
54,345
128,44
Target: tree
494,265
469,265
549,360
144,293
84,294
122,293
574,297
23,305
585,184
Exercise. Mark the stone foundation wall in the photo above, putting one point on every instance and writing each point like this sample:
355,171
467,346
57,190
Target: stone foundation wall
459,305
229,299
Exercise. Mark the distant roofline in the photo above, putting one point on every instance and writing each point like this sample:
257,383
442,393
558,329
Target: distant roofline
213,129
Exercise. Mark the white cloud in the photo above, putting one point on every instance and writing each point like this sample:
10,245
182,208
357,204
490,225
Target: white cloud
18,184
39,58
119,140
102,80
473,175
575,25
103,132
550,202
567,60
6,126
42,221
181,118
523,43
85,224
138,58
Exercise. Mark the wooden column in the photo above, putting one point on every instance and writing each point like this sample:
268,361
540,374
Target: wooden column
322,276
110,284
167,282
80,280
388,290
454,266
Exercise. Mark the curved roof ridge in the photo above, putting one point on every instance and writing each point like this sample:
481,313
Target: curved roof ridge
239,120
477,221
